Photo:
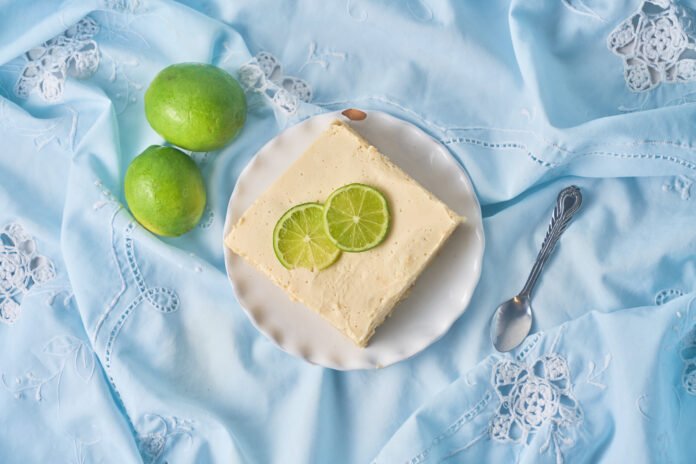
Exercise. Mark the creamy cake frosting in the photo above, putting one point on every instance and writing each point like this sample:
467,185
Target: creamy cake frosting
360,290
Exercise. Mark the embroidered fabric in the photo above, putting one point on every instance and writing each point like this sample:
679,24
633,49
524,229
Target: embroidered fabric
681,185
162,299
123,5
73,53
534,396
21,267
264,75
667,295
688,355
657,44
161,431
65,348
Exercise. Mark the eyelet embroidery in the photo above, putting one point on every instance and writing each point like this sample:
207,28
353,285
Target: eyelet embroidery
688,356
444,135
73,53
657,45
533,396
21,268
501,146
263,75
664,296
164,430
208,218
681,185
162,299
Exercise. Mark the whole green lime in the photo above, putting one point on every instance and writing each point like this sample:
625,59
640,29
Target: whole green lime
195,106
165,191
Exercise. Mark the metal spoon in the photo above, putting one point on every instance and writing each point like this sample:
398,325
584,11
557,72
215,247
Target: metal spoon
512,320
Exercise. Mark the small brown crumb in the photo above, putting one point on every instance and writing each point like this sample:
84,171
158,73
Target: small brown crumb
354,114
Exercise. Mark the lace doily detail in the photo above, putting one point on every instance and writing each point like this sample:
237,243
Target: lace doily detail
264,75
160,431
534,396
73,53
657,44
21,267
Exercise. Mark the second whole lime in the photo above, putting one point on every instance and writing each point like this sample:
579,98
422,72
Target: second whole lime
195,106
165,191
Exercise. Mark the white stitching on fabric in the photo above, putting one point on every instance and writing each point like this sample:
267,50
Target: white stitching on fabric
128,90
529,344
656,44
503,146
595,373
321,57
681,185
552,144
116,329
61,130
72,53
207,219
515,145
110,306
468,416
62,347
162,299
263,75
21,268
533,396
170,302
153,444
472,442
124,6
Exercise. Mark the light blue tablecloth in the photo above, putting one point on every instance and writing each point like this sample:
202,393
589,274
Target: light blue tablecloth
117,346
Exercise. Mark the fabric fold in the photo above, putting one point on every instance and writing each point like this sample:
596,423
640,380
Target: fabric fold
119,345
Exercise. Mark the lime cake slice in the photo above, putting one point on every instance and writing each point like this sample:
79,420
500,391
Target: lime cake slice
357,292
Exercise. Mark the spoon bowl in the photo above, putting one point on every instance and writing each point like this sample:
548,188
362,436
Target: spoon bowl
512,322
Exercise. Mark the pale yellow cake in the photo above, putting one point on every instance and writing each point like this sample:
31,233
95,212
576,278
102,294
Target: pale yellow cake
360,290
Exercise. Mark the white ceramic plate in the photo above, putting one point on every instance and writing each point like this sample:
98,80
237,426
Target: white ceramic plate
441,293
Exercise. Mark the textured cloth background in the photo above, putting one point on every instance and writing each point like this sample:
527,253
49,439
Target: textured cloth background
119,346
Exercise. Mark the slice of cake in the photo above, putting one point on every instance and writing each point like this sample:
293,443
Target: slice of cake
360,290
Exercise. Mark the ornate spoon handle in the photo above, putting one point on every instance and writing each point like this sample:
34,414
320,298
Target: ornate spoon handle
567,204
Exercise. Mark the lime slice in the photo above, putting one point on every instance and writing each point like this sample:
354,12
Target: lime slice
356,217
299,239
